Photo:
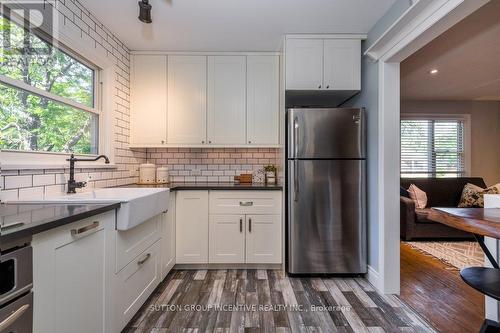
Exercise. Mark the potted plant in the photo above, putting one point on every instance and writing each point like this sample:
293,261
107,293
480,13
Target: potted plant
270,174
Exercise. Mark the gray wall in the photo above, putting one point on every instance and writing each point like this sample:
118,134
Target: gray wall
485,132
368,98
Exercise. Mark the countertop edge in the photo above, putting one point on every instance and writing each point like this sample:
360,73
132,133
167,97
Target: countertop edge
28,232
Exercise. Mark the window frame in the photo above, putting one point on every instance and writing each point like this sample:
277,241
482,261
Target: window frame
465,118
104,104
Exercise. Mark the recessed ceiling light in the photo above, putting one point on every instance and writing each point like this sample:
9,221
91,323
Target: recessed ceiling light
433,71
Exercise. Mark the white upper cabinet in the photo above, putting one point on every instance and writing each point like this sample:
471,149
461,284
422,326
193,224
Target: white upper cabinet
304,64
226,99
187,100
216,100
323,63
262,100
148,100
342,61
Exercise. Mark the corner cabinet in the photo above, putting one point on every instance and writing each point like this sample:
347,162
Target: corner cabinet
148,116
323,63
220,100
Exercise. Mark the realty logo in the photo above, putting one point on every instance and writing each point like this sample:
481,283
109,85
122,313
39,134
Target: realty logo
28,17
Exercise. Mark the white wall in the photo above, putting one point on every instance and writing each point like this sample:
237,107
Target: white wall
485,131
368,98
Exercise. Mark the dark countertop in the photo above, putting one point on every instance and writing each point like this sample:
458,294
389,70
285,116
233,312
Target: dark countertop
212,186
24,220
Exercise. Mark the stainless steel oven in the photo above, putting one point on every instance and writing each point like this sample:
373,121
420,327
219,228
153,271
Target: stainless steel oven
16,297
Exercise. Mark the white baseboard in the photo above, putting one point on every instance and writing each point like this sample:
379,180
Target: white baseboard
375,279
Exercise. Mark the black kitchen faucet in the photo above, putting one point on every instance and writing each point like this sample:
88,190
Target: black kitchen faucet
72,184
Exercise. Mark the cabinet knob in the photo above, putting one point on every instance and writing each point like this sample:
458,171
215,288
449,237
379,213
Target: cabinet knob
162,141
327,87
249,141
203,142
209,141
319,86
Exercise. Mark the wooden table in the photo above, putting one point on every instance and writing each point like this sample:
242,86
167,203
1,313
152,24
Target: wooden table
480,222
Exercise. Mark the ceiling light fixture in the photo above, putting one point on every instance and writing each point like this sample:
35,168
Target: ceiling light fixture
433,71
145,11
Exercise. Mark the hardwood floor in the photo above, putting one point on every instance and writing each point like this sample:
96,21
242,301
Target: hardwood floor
438,293
242,300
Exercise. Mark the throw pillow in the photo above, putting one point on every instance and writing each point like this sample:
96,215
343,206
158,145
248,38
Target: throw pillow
473,196
418,196
404,192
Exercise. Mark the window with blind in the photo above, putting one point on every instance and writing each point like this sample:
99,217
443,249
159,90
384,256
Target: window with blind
432,147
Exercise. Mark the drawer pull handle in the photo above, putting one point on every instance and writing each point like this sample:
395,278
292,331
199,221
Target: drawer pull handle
79,231
249,225
143,260
241,225
13,317
246,204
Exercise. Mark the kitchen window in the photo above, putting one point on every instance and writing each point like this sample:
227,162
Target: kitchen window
434,146
48,96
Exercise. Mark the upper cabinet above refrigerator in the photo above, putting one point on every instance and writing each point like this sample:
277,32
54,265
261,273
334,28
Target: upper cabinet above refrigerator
323,63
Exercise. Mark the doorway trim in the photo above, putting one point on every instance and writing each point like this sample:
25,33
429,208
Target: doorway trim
420,24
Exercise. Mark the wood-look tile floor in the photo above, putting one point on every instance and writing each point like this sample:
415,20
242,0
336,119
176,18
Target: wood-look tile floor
269,301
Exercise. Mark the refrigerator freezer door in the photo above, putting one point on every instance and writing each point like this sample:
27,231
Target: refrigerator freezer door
326,133
326,216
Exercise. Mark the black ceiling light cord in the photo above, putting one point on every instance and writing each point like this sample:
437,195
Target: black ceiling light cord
145,11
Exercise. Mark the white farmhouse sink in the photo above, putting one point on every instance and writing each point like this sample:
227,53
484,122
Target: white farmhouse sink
137,204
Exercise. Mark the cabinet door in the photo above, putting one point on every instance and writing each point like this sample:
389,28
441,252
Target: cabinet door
226,99
227,239
168,238
191,227
262,99
342,61
148,110
69,276
304,64
187,97
263,239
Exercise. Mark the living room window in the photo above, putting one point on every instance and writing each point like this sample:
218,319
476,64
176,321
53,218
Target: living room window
434,146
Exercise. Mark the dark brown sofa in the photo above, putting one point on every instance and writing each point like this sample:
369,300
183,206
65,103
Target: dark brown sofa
441,192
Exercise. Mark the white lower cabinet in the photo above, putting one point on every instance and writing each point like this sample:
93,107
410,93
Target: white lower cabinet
89,277
227,239
191,227
263,239
168,238
69,265
135,283
228,227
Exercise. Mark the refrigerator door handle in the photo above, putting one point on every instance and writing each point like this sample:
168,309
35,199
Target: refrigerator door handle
295,137
295,180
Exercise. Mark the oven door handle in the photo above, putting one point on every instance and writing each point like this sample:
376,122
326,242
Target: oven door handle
13,317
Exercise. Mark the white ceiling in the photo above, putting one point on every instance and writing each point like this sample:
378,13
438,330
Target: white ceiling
467,57
232,25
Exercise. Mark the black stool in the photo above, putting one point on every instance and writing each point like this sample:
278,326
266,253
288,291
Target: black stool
487,281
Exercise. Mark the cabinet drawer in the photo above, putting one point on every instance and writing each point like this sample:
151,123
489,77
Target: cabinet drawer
132,242
136,282
245,202
71,232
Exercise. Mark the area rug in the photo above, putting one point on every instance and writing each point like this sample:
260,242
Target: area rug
456,254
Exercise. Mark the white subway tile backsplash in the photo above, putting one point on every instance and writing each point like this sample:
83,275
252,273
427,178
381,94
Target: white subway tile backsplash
31,193
42,180
12,182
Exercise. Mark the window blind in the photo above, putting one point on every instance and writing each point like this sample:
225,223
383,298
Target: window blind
432,148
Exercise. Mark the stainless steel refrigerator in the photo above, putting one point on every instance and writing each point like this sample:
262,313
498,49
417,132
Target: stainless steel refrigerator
326,191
